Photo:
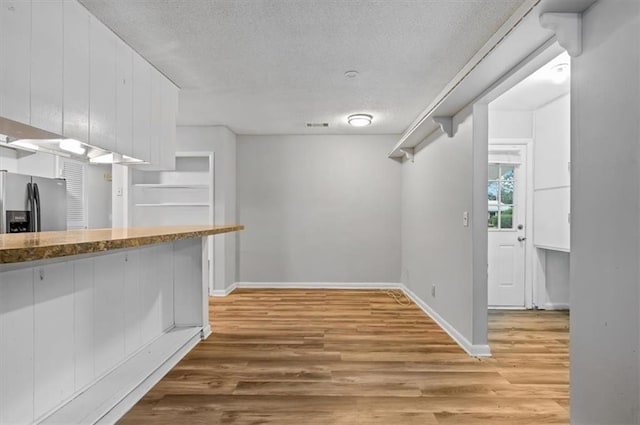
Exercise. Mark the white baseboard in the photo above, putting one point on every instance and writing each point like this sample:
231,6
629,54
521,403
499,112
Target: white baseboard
556,306
224,292
476,350
318,285
130,400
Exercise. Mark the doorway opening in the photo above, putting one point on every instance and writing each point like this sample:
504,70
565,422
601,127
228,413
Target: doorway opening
528,191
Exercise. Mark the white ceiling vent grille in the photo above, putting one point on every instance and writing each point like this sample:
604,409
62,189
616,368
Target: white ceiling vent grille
74,173
317,124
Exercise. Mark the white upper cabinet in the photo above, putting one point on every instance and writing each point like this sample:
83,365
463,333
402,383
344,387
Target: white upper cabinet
169,113
102,109
124,96
164,103
156,117
15,60
46,64
141,108
76,72
64,71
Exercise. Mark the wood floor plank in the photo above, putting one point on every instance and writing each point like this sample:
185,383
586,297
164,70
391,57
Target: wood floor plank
294,356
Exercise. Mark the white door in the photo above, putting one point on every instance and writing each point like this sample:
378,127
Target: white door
506,223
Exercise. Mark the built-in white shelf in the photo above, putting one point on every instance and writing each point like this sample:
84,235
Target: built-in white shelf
183,196
111,396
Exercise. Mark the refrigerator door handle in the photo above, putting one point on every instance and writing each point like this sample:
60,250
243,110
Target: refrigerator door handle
31,206
36,196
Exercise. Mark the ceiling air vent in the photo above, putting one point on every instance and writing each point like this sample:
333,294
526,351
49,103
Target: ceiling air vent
317,124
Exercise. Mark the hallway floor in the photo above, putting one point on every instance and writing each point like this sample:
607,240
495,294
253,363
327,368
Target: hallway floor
292,356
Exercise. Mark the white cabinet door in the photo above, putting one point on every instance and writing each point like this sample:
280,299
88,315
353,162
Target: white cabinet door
124,95
16,347
54,339
76,72
102,100
46,65
151,305
15,62
108,311
141,108
166,285
169,113
157,81
83,324
132,303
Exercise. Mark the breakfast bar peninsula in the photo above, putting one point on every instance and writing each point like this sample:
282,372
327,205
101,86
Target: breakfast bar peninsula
90,320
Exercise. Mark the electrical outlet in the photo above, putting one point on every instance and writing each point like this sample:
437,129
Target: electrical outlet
433,290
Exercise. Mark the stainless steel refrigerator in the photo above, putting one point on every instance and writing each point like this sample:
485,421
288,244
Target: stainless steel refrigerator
32,204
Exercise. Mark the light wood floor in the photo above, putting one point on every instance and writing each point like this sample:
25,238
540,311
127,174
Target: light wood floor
358,357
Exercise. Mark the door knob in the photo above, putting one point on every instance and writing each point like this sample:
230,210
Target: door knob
521,238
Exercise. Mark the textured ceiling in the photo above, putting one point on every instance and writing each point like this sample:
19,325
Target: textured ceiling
270,66
538,89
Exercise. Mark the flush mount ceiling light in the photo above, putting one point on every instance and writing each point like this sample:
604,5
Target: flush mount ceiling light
351,74
560,73
359,120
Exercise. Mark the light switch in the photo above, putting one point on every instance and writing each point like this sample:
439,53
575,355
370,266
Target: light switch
119,191
465,219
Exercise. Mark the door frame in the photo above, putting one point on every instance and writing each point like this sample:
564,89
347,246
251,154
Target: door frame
480,146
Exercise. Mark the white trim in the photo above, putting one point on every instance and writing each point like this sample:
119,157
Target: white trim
568,30
130,400
206,332
109,398
556,306
552,248
507,307
422,127
318,285
224,292
474,350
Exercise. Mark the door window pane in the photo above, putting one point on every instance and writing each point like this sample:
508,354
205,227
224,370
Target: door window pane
492,191
506,172
506,193
500,196
506,217
494,171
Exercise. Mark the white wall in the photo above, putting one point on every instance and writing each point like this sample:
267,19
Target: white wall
222,142
98,182
605,225
514,124
436,247
557,291
8,160
318,209
37,164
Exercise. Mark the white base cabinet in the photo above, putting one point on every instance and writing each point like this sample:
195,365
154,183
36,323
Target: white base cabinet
81,338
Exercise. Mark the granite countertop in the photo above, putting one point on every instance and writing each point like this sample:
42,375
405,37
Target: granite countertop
21,247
